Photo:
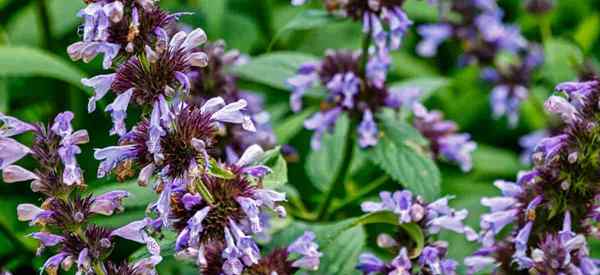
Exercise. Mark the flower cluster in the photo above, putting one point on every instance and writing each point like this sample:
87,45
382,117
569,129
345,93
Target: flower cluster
431,218
444,140
303,253
360,94
154,61
64,215
216,80
375,14
484,37
541,205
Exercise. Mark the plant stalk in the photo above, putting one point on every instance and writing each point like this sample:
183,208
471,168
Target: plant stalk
340,177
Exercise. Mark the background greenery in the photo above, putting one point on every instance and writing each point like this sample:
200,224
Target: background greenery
37,80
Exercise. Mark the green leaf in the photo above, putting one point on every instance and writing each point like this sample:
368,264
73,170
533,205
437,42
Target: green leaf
306,20
288,128
217,171
402,158
27,62
278,176
427,85
214,11
587,32
562,57
495,162
246,34
273,69
323,164
407,65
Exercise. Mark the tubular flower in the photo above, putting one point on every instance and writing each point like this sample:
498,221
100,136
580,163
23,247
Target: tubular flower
216,80
210,211
559,189
118,27
156,74
383,20
64,214
484,36
173,141
444,140
302,254
431,218
348,92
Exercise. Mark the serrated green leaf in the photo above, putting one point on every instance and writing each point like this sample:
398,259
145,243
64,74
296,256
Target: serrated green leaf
27,62
400,131
561,59
306,20
400,155
427,85
323,164
273,69
288,128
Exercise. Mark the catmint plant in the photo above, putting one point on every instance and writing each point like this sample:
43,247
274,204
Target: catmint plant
485,38
385,22
430,218
553,207
64,215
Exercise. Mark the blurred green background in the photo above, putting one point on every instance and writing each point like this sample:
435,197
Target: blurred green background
37,80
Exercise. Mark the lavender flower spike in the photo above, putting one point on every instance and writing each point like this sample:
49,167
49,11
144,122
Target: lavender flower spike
309,251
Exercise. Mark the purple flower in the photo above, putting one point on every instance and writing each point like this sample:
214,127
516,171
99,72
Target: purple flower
11,151
367,131
12,126
118,112
433,35
308,250
321,122
108,203
101,85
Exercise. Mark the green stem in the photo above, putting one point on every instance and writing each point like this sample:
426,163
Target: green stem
44,21
545,27
362,192
340,178
99,268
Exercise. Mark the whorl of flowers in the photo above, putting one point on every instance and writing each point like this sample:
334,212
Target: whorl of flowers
553,207
444,140
64,214
383,20
431,218
216,80
484,36
360,95
224,211
154,62
118,27
302,254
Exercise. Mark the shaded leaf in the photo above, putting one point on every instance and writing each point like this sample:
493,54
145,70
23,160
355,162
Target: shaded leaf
561,59
402,158
27,62
322,165
288,128
273,69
